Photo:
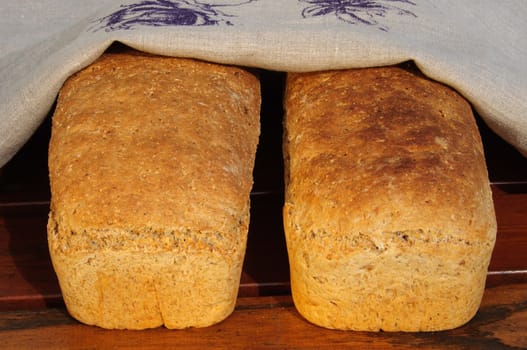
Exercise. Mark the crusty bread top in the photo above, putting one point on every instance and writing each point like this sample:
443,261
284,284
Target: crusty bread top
148,142
394,151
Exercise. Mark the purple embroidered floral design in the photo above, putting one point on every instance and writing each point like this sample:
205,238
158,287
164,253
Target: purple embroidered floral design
356,11
166,13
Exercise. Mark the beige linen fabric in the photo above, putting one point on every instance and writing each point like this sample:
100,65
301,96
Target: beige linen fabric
477,47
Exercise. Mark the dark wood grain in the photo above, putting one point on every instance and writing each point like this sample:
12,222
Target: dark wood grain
273,323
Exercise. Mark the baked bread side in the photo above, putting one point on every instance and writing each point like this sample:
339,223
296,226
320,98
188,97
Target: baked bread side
388,214
150,164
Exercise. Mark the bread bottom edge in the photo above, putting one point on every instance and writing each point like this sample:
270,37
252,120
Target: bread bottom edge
118,290
389,291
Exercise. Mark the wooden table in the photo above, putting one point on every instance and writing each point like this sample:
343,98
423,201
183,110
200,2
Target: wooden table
32,314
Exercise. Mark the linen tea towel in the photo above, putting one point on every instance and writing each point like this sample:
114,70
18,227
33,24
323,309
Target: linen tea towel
477,47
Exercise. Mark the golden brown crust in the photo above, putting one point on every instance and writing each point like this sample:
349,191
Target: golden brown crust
385,171
163,109
152,155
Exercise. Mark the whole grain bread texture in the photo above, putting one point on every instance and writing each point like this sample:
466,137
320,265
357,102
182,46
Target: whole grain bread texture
388,215
150,164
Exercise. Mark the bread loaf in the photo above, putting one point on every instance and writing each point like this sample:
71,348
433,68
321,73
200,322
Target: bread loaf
388,214
150,164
